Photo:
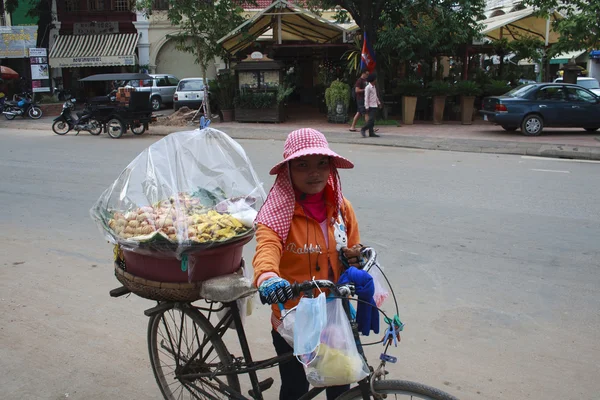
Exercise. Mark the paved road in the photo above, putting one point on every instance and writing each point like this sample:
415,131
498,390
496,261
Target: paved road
494,260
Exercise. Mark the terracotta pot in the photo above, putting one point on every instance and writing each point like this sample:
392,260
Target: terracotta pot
226,115
466,109
439,103
409,105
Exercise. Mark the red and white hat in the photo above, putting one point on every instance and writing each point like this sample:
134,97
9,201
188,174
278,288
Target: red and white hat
278,210
308,142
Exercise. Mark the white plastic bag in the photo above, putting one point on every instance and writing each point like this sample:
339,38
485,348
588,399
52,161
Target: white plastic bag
244,304
286,328
337,361
381,291
311,318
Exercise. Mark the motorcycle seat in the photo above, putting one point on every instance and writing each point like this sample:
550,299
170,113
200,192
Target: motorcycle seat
11,102
79,114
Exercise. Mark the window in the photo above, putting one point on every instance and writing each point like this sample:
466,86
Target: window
162,82
550,93
95,5
172,81
121,5
195,84
71,5
574,94
160,4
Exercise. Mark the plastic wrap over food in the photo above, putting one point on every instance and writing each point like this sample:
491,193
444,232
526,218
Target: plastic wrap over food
187,192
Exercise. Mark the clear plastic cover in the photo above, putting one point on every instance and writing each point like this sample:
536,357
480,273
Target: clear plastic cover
189,191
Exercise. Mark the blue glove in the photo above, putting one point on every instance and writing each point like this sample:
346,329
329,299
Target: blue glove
275,290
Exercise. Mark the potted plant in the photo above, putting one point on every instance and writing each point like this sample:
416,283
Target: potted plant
223,90
439,90
467,90
409,89
496,88
337,99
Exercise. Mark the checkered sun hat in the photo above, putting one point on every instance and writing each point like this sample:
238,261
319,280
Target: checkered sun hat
307,142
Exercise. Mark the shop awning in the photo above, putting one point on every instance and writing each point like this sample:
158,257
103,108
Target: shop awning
520,24
566,57
288,22
72,51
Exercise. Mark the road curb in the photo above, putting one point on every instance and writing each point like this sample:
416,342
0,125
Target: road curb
401,141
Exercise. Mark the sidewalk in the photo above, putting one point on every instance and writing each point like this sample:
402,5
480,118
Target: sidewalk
481,137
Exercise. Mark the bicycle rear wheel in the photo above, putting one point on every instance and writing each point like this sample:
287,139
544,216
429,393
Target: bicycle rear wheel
395,389
175,336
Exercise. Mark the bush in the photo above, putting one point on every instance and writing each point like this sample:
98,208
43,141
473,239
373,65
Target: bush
47,99
258,100
496,88
439,88
467,88
223,90
410,87
337,92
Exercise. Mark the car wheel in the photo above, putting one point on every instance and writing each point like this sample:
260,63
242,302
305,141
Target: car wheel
532,125
156,103
509,128
591,129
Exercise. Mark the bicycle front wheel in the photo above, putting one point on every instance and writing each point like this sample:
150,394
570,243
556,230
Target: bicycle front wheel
178,344
394,389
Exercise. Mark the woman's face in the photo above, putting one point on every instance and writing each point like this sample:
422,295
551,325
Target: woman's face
310,173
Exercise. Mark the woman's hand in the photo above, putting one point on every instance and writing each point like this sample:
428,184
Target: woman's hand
352,257
275,290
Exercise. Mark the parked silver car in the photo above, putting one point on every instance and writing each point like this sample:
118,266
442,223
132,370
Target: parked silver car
161,87
590,84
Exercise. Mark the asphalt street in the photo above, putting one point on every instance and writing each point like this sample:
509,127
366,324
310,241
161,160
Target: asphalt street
494,260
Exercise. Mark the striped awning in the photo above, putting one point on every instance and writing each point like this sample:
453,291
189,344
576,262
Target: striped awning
72,51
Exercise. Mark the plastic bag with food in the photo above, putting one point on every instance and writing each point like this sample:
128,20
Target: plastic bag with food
188,192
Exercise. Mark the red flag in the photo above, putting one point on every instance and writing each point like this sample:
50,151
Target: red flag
367,56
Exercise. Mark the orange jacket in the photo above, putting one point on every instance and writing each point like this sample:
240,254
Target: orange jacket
296,260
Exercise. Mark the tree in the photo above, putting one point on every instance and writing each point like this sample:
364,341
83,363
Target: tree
202,23
580,29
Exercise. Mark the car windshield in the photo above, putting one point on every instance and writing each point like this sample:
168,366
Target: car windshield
190,85
520,91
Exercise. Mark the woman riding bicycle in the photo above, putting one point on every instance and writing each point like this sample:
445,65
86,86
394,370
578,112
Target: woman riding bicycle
301,229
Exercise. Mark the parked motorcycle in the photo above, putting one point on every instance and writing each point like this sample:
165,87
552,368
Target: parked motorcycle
83,122
23,106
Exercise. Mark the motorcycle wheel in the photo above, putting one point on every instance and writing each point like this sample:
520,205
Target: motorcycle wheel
138,129
60,127
9,117
115,128
98,127
35,112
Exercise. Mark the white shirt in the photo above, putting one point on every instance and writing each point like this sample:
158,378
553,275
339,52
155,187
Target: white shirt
371,100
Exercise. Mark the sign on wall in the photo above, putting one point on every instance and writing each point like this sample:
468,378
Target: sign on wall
15,41
95,28
40,71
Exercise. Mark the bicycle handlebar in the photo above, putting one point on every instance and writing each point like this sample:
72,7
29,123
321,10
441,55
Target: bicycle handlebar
307,286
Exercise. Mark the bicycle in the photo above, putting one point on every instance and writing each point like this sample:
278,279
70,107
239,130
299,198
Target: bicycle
190,360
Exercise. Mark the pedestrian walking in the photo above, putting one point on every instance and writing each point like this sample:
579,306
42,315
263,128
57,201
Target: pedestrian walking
359,94
372,103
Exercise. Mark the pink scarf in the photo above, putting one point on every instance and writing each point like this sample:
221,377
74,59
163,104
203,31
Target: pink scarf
278,210
313,204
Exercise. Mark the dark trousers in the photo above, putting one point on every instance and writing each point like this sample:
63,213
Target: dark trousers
293,379
371,122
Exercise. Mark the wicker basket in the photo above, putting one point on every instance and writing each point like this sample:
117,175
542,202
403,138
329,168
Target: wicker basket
160,291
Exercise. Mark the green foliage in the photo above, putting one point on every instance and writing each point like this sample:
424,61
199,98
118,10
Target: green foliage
439,88
283,92
410,87
223,90
337,92
467,88
580,29
496,88
255,100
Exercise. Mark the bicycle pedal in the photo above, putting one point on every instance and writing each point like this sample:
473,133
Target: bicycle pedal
264,385
388,358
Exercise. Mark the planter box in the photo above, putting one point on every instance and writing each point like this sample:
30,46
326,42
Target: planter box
439,103
409,105
274,114
51,109
466,109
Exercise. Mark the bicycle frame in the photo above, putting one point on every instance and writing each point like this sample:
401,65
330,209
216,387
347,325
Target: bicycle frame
250,367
